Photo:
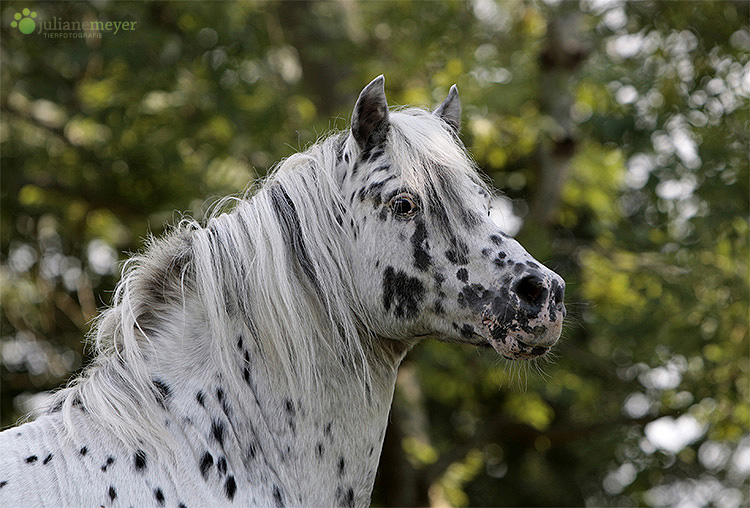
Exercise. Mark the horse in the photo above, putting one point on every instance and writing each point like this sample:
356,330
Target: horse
251,359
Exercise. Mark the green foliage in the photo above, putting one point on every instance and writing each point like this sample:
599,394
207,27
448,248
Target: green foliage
618,132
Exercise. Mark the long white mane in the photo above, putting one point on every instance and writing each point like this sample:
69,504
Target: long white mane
241,274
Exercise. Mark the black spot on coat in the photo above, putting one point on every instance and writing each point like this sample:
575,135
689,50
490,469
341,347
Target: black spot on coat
230,487
462,274
278,497
467,331
458,254
139,460
159,495
402,292
496,239
420,247
110,460
31,459
217,432
345,498
206,462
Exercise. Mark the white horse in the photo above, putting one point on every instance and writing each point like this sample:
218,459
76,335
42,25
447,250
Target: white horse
252,361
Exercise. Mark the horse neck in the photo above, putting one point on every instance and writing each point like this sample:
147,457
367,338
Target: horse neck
278,431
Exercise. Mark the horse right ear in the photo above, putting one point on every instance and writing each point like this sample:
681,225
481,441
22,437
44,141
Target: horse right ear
370,117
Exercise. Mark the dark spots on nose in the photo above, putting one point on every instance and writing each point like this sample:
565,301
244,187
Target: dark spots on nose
420,247
159,496
112,493
473,295
496,239
230,487
139,460
201,398
277,497
206,462
467,331
217,432
31,459
402,293
500,261
538,350
462,274
110,460
83,451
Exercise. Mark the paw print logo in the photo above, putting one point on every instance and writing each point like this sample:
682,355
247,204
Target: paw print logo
25,22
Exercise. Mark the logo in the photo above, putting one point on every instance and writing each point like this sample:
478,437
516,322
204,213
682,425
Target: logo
86,27
25,22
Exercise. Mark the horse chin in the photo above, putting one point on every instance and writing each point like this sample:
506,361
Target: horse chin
520,345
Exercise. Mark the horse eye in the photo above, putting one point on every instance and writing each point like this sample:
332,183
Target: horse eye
404,206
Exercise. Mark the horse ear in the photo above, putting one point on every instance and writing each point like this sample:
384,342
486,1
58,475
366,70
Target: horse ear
450,110
370,117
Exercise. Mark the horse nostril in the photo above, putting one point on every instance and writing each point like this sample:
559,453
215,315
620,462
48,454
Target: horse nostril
531,290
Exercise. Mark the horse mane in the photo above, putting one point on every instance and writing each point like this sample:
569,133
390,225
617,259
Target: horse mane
273,269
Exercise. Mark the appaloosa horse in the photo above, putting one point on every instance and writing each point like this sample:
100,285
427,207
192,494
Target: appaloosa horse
252,361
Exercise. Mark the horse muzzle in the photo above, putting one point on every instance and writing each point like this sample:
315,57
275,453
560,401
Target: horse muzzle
525,321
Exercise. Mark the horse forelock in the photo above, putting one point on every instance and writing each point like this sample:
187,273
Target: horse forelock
433,163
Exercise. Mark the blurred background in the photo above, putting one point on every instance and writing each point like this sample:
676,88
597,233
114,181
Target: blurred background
618,133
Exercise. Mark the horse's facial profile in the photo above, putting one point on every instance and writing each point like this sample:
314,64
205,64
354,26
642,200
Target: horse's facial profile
430,261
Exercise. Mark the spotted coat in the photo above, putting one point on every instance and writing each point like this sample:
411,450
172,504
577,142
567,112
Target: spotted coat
202,408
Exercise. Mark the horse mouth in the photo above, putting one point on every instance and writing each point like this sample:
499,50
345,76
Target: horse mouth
513,343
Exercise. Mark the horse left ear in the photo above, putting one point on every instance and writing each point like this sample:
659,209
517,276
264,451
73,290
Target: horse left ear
370,117
450,110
